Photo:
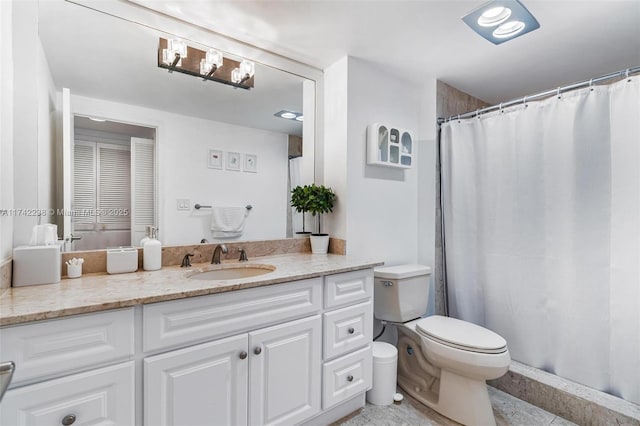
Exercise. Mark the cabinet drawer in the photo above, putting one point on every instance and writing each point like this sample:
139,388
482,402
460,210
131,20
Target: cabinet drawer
51,348
347,329
346,377
348,288
181,322
103,396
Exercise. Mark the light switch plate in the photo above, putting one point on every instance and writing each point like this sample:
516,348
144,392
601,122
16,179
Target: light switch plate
183,204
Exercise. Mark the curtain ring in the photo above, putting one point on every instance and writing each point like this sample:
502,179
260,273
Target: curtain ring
626,74
558,93
458,118
524,102
501,110
591,85
478,114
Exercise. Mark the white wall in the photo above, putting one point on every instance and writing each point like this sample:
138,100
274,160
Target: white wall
46,136
378,207
6,129
335,145
385,214
182,151
25,117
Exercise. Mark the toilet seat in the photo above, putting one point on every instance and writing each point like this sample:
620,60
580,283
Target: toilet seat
461,335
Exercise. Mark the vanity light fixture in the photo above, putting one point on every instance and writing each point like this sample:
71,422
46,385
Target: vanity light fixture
289,115
173,54
244,72
210,65
501,20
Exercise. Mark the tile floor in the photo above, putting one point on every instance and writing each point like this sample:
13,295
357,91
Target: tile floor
508,411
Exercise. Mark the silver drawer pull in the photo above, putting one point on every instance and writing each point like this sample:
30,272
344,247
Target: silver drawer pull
351,330
69,419
350,378
243,355
387,283
257,350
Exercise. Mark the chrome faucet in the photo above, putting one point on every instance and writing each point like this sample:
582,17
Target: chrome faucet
216,253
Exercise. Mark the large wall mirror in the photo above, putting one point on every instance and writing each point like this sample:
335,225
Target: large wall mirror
144,145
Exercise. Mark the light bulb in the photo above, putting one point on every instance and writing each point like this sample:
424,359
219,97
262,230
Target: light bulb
214,57
247,68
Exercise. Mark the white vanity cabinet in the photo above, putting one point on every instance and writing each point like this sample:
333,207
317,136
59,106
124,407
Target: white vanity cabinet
281,354
206,383
60,376
104,396
347,333
269,376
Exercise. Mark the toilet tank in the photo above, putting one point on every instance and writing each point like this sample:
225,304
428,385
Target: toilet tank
401,292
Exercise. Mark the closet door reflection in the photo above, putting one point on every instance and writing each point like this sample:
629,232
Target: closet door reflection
113,190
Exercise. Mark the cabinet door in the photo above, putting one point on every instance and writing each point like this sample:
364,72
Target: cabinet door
99,397
285,372
200,385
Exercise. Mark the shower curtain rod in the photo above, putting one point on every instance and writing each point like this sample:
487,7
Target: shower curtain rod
619,74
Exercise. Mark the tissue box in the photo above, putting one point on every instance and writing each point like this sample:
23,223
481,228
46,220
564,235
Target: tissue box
121,260
34,265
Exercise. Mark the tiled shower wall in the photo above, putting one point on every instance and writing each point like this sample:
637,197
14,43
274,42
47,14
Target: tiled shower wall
450,101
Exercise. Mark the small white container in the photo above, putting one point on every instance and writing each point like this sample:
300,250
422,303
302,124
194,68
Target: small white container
74,271
121,260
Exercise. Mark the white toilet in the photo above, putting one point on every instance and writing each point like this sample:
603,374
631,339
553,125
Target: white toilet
442,362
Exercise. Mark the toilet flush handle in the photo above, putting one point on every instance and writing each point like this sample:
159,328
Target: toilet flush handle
387,283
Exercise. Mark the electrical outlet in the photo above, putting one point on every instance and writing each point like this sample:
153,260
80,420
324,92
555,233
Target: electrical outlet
183,204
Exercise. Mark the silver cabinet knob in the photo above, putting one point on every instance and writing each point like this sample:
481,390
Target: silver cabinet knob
351,330
243,355
257,350
387,283
350,378
69,419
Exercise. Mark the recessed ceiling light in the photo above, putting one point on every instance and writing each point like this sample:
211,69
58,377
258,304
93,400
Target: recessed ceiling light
509,29
289,115
501,20
494,16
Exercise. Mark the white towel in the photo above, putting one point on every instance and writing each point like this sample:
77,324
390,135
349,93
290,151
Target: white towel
228,222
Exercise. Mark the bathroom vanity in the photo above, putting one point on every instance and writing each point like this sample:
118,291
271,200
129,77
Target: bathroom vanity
160,348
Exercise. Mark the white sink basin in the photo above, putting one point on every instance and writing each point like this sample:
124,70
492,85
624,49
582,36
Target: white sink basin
232,272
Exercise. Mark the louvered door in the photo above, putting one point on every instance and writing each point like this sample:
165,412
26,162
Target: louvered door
143,194
114,187
84,185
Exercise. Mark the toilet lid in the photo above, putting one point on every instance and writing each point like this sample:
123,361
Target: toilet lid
461,334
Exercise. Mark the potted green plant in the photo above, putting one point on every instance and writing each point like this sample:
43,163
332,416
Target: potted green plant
319,200
299,202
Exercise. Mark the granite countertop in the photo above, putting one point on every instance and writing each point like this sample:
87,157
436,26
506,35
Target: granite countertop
99,292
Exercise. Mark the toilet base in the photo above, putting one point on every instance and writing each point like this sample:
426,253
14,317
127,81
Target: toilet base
464,400
459,398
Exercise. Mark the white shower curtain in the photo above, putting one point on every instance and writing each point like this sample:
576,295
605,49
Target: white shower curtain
541,210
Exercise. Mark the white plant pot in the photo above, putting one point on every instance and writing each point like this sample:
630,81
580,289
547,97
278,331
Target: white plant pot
319,244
